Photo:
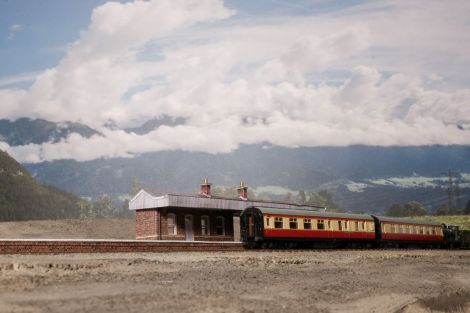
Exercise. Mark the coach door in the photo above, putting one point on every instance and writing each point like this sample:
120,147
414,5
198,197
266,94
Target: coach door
251,228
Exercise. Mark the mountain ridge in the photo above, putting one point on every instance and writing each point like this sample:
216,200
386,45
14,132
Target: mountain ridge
22,198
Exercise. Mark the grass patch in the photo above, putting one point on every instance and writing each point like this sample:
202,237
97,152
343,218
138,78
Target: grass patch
463,221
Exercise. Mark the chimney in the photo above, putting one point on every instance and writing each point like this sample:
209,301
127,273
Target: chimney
242,191
206,188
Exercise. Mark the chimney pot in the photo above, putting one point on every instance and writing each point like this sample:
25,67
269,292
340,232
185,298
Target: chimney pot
242,191
206,188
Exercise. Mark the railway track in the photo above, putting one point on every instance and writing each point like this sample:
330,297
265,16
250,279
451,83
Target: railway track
62,246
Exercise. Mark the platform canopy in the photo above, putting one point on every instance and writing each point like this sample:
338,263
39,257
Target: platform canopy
147,200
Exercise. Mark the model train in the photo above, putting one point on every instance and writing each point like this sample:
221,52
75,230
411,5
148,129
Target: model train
264,227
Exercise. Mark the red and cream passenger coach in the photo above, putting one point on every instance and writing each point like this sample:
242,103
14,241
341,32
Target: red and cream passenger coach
273,226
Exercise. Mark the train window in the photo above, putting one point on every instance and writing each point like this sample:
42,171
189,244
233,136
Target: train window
329,224
356,226
320,224
340,225
278,222
307,223
433,231
204,225
346,225
293,223
421,230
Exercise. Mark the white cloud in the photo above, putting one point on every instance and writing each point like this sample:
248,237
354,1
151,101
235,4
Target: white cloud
250,81
13,30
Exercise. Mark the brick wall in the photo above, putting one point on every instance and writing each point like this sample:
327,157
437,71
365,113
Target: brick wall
103,246
146,226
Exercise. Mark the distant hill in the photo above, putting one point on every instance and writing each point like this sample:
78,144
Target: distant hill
336,169
22,198
360,178
24,131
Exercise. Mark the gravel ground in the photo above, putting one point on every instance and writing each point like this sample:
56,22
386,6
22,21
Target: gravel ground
266,281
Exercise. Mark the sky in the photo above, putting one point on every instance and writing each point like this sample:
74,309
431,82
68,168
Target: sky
274,72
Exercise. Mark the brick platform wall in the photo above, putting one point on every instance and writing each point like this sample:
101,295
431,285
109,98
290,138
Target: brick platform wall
103,246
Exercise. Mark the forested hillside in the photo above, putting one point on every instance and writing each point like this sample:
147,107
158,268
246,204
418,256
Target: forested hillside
24,131
22,198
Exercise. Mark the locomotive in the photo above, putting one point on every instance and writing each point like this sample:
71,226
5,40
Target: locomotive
265,227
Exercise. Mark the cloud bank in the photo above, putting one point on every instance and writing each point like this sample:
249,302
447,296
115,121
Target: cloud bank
372,74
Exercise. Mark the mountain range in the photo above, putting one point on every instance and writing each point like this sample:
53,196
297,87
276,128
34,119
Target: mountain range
361,178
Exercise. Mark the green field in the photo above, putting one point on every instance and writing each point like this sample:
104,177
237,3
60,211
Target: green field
463,221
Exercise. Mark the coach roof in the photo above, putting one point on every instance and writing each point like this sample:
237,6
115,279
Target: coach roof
406,221
313,213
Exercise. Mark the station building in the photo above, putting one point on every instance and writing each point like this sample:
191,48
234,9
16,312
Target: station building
201,216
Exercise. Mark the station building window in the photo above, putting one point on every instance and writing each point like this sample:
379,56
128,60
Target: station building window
205,225
293,223
278,222
307,223
220,225
171,223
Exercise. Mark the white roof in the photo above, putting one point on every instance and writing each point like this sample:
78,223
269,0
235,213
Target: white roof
145,200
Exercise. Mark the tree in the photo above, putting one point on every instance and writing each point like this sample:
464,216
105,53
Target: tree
395,210
442,210
86,209
103,207
328,200
467,208
136,187
414,208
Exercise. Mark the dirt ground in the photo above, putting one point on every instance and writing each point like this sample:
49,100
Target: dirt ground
268,281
